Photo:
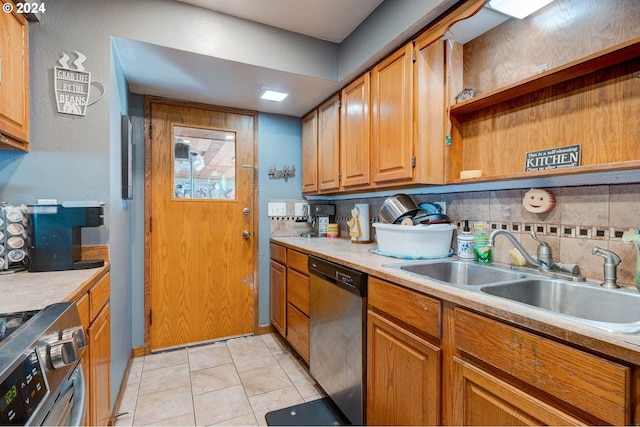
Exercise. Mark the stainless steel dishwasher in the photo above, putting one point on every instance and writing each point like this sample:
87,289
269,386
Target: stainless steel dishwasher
338,304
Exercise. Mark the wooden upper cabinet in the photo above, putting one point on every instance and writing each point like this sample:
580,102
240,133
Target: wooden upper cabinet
355,143
392,115
329,145
310,152
431,122
14,80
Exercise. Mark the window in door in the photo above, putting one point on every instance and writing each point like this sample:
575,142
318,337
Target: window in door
204,164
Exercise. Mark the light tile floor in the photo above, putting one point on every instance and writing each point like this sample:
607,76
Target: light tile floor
235,382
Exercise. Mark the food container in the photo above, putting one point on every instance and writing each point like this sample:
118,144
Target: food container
396,207
419,241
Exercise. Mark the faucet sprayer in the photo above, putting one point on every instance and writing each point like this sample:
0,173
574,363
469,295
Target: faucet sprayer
611,262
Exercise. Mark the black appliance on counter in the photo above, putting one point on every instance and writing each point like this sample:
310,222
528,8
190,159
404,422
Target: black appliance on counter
55,241
41,378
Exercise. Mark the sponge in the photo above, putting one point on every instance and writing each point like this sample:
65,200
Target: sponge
516,257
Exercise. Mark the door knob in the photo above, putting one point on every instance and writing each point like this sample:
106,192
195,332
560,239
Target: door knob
245,211
246,234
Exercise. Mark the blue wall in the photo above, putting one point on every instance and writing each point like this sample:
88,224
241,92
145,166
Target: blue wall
279,144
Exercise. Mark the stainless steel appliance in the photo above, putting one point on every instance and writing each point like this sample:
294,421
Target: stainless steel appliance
56,234
319,216
338,334
41,379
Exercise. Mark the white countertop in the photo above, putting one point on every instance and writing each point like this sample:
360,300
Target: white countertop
24,291
359,257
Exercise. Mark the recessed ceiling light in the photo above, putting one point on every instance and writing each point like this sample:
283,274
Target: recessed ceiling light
518,8
272,95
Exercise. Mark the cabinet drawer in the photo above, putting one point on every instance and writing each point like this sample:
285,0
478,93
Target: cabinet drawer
98,296
595,385
298,290
298,261
411,307
298,331
83,309
278,253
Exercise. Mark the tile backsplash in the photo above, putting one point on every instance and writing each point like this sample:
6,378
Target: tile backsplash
583,217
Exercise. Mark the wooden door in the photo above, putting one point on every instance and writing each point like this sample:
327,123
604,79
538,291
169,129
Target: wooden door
403,376
329,145
355,163
310,153
392,117
201,219
479,398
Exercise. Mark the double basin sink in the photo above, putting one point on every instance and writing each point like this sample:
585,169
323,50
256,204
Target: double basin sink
614,310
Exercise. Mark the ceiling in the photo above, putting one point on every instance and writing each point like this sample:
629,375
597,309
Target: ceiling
161,71
331,20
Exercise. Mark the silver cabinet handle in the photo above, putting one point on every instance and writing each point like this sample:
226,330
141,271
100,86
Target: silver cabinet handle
246,234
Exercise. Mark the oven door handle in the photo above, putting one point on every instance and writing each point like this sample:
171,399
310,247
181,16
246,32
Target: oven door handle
79,398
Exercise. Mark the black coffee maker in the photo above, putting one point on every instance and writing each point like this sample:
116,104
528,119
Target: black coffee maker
55,238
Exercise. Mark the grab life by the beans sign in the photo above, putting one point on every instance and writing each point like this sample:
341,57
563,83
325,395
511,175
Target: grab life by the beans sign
553,158
73,85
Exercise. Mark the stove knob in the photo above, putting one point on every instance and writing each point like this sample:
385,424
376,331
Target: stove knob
77,333
63,353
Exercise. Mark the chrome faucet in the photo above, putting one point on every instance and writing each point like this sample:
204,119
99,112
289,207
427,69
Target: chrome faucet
544,258
611,262
525,254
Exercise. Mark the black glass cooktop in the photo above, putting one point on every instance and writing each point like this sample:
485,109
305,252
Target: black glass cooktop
11,322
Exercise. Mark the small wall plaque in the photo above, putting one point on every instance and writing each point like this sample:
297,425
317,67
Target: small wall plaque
553,158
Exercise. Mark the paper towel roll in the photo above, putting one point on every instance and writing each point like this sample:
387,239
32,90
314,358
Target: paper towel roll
363,218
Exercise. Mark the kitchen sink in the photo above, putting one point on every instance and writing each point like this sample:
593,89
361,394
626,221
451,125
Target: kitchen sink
461,272
588,302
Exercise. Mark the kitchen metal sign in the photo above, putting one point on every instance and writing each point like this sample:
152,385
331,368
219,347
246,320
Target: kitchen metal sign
553,158
72,86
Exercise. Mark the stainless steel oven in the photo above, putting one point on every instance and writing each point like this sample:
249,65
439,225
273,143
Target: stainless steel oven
41,379
337,316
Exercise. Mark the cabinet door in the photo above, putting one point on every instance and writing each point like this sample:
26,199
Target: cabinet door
355,144
310,152
403,376
298,290
14,79
298,331
430,106
329,145
479,398
99,368
392,117
278,287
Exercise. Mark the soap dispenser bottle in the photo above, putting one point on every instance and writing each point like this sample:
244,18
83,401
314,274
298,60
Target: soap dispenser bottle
465,243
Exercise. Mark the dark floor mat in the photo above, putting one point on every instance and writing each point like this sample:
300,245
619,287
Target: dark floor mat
319,412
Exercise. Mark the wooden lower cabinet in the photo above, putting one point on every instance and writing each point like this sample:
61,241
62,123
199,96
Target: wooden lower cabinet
289,299
504,375
430,362
403,366
278,297
298,331
95,315
481,399
403,376
99,368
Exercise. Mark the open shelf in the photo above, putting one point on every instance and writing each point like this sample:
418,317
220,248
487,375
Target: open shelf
589,64
609,167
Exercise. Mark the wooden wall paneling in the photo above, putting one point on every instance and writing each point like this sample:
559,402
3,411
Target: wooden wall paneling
594,111
554,36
